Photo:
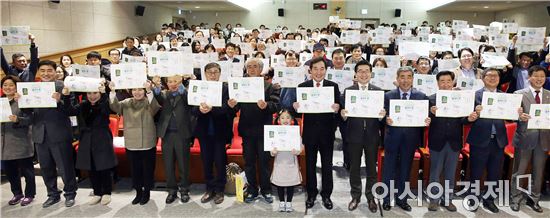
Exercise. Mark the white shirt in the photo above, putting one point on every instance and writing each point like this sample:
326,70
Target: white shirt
361,86
320,83
535,94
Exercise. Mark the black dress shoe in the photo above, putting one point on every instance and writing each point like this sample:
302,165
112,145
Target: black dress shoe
51,201
386,206
184,197
69,202
535,206
490,205
171,198
353,204
404,205
327,203
514,207
372,206
145,197
137,199
310,202
207,197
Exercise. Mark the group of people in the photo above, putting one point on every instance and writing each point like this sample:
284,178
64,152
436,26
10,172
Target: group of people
161,110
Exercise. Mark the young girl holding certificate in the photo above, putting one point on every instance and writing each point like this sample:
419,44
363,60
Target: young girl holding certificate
286,172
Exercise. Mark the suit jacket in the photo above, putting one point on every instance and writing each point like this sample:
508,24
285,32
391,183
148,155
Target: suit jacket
527,139
175,107
221,118
320,125
29,73
252,119
52,124
362,128
445,129
480,134
394,135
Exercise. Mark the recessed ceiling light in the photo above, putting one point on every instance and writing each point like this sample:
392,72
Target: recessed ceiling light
486,7
197,6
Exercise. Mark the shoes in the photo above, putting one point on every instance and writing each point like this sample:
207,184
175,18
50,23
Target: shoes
26,201
94,200
105,199
171,198
69,202
372,205
514,207
386,206
145,197
353,204
250,198
51,201
207,197
404,205
15,200
327,203
451,207
137,199
433,206
288,207
490,205
282,206
184,196
218,198
268,198
535,206
310,202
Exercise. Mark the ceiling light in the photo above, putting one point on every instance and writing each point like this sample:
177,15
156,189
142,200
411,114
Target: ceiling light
197,6
485,7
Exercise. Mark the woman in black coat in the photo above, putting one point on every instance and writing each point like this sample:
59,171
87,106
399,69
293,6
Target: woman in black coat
95,152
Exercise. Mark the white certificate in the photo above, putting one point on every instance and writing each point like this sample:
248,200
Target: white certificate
454,103
315,99
82,84
287,45
367,104
86,71
540,116
36,94
289,77
209,92
408,113
304,57
277,60
349,37
246,89
166,64
447,64
282,137
490,60
384,78
458,44
413,50
466,83
129,75
501,106
440,42
509,28
499,40
132,59
393,61
344,78
246,48
219,43
459,24
5,111
15,35
202,59
425,83
531,36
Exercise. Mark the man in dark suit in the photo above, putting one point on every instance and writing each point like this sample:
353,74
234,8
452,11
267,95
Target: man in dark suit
230,53
531,145
487,140
214,131
318,136
175,128
363,137
445,143
252,119
21,68
401,142
517,75
52,135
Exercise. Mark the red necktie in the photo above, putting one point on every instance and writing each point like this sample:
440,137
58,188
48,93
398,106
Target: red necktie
318,84
537,97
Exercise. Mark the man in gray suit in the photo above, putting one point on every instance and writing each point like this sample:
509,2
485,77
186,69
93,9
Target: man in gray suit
531,146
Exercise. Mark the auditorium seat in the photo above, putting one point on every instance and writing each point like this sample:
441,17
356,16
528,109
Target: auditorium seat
508,163
113,125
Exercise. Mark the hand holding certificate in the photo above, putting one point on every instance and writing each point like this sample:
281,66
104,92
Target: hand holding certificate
86,71
246,89
36,94
366,104
209,92
315,99
408,113
5,110
454,103
282,137
129,75
501,106
540,116
82,84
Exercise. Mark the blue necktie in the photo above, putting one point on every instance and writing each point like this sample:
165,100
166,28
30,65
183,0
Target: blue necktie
404,96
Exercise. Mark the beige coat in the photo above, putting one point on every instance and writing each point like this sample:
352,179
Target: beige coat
139,124
286,170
